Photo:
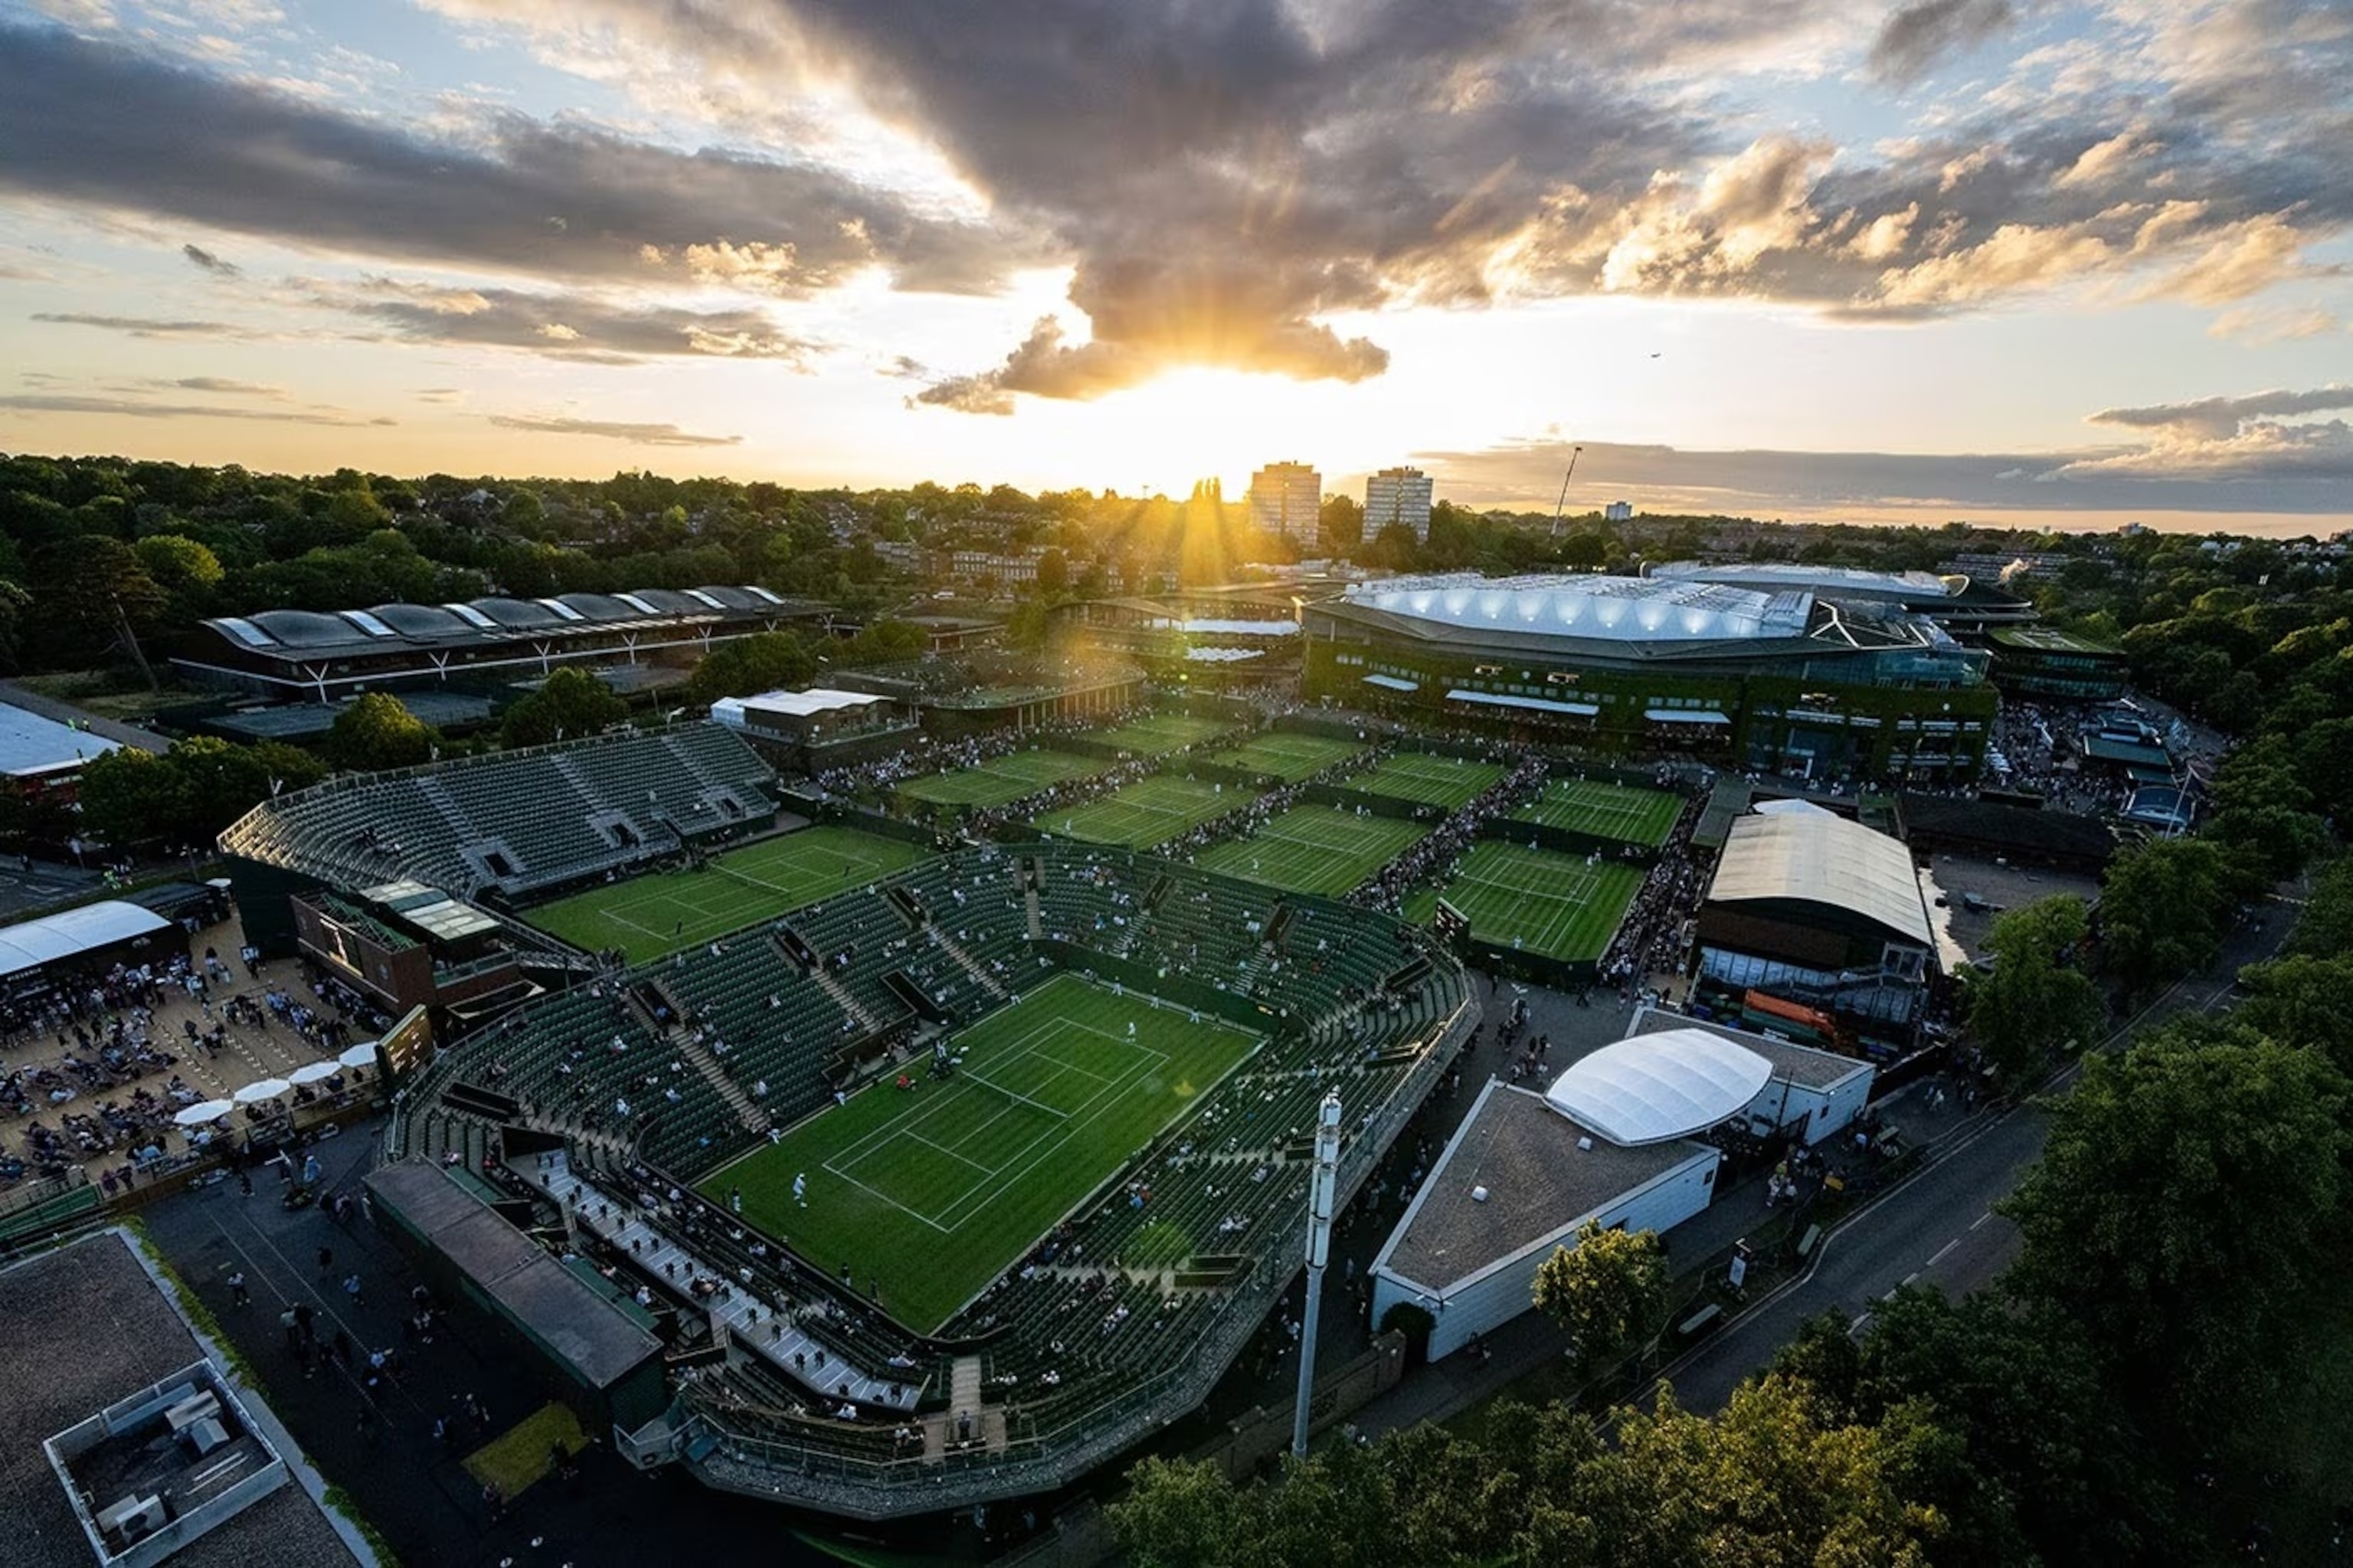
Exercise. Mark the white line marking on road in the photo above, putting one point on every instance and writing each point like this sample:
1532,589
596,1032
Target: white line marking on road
1855,1328
1941,1250
1909,1278
1981,1218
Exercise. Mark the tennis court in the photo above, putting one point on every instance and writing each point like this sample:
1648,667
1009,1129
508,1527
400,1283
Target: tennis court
1313,848
1002,780
1604,809
1157,735
1289,757
930,1191
1428,781
646,916
1537,900
1148,811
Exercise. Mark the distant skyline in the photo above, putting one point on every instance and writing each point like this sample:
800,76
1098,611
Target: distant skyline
2019,262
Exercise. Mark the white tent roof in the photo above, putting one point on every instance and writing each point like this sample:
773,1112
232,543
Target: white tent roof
29,944
1793,808
795,704
1654,1087
1816,857
1618,610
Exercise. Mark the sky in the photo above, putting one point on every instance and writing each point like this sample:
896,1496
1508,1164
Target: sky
2019,262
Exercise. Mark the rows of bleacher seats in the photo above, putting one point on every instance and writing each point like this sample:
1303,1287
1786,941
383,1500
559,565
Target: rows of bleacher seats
516,821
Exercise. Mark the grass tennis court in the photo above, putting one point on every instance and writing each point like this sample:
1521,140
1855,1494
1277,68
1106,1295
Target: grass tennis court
646,916
933,1190
1428,781
1313,848
1157,735
1289,757
1539,900
1606,810
1003,779
1148,811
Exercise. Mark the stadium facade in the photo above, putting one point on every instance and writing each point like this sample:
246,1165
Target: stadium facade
1791,680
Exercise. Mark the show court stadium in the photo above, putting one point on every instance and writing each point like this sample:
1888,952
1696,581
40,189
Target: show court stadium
893,1174
1810,681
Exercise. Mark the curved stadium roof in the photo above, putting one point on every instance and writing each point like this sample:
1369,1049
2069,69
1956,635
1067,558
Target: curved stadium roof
1814,857
1605,608
1659,1086
287,634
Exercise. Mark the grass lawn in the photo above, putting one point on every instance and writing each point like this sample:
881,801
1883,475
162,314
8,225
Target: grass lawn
1157,735
1003,779
523,1453
1313,848
1606,810
1148,811
1540,900
1428,781
933,1190
646,916
1289,757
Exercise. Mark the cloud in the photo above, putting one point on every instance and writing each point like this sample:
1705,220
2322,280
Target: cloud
551,199
2223,416
575,326
1914,36
132,407
144,326
646,435
219,385
2257,324
210,262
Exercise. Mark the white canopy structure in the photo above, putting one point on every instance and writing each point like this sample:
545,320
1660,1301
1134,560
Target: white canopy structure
1793,808
1616,609
729,711
1815,857
1655,1088
29,944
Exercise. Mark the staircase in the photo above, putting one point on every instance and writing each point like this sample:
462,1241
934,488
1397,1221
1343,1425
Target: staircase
844,1000
940,1431
433,790
747,1110
1029,905
969,964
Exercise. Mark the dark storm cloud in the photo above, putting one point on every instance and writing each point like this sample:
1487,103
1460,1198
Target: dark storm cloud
565,326
559,200
1915,36
210,262
636,435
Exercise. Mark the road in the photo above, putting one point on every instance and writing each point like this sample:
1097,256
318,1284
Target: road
1937,1226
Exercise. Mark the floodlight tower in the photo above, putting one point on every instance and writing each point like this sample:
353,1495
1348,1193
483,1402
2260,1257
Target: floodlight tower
1323,1187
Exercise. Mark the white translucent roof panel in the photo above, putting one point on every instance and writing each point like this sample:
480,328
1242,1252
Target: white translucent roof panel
756,591
1222,655
368,623
1214,627
1392,684
800,705
634,603
1818,858
702,598
1537,704
244,631
1620,610
1654,1087
1834,581
472,617
560,609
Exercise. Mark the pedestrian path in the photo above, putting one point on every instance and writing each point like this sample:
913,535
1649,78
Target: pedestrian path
759,1327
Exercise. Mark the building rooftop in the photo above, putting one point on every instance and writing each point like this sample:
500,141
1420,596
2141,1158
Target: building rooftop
29,944
1668,1084
31,746
88,1326
1816,858
2051,640
1607,608
1831,582
1801,1064
1538,1183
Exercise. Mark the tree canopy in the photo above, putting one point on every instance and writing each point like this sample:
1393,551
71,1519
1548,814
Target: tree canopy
377,731
1608,1292
2164,909
569,703
2034,1000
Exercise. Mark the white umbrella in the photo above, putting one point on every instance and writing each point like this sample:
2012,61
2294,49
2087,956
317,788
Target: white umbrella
312,1072
204,1111
360,1055
262,1089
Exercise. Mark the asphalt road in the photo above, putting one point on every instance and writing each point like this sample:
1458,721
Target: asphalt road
1937,1226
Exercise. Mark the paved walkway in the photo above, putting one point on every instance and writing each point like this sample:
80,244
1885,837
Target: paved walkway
130,734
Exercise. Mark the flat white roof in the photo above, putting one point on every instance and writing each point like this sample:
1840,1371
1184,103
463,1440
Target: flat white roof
1504,700
793,705
1816,857
1617,609
30,743
1214,627
29,944
1660,1086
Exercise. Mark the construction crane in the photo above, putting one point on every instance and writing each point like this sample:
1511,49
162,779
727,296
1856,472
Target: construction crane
1556,505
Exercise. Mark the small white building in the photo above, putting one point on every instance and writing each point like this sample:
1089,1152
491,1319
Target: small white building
1810,1094
1518,1178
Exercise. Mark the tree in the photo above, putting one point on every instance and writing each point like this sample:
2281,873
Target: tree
2184,1210
1608,1292
2262,811
1341,525
2325,927
569,702
83,590
132,796
378,732
2300,1000
885,641
178,564
2163,910
1178,1513
768,662
1053,574
2034,1001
